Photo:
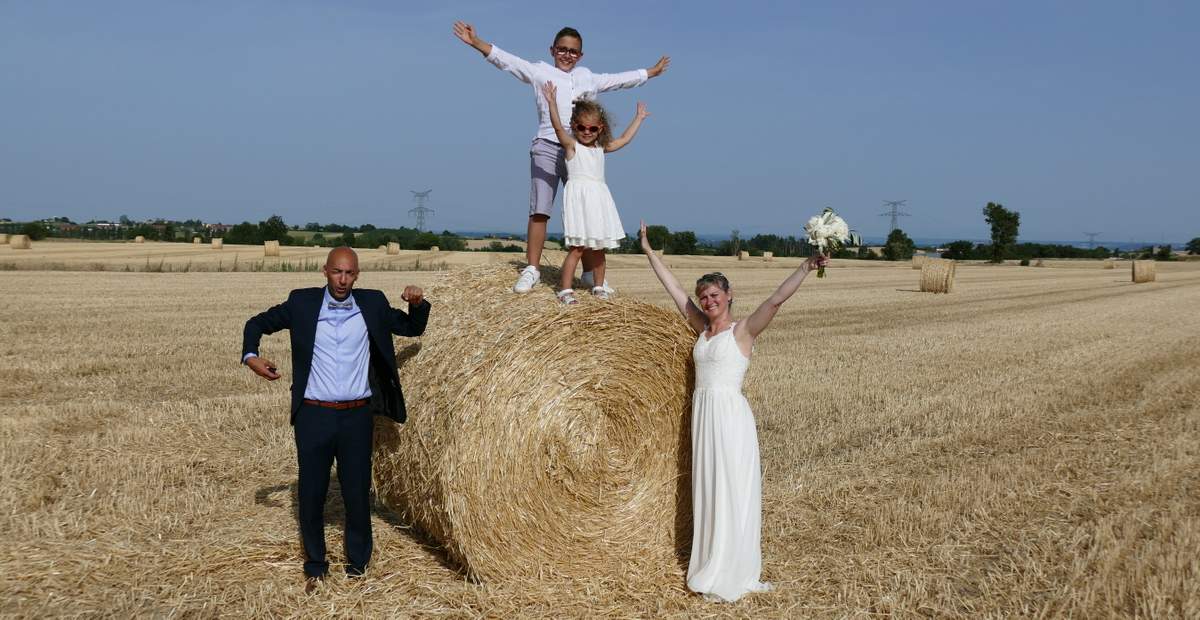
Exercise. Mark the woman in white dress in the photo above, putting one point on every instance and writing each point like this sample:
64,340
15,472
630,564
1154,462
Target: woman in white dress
726,559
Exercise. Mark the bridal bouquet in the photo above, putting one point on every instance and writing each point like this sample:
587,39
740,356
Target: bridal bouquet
829,233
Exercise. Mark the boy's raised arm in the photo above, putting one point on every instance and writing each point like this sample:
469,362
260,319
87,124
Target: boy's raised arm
466,33
516,66
630,79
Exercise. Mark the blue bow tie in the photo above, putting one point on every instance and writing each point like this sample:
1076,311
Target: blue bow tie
341,305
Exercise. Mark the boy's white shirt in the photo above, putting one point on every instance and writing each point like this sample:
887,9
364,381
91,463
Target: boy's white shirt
579,83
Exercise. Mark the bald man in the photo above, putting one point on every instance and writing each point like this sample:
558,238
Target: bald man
344,370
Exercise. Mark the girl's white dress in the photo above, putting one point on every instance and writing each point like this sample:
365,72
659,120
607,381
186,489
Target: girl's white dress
589,215
726,557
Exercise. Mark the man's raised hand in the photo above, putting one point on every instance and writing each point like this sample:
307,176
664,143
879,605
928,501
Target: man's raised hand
413,295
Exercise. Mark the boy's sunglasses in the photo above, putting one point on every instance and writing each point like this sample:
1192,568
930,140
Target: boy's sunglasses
580,127
566,51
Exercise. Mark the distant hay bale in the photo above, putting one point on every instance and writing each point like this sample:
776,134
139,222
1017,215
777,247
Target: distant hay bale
1143,271
270,248
661,251
768,256
538,443
1108,264
139,239
196,240
382,248
393,247
20,242
434,248
919,260
218,243
743,255
3,238
1039,263
937,276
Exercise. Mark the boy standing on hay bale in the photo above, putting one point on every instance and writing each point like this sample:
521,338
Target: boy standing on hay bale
547,163
344,366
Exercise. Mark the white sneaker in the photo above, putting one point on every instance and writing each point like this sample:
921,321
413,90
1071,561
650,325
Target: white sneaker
566,297
601,293
589,281
529,277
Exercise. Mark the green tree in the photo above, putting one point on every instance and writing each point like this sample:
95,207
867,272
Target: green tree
959,250
426,240
274,229
35,231
1193,246
658,235
1004,225
898,246
243,234
682,242
1164,253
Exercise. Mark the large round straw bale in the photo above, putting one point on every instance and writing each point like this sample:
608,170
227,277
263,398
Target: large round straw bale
1110,264
919,260
544,441
382,248
218,243
270,248
743,255
434,248
393,247
937,276
3,238
768,256
196,240
139,239
20,242
1143,271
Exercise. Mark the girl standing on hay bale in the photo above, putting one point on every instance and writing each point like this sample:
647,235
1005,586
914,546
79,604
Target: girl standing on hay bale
590,219
726,560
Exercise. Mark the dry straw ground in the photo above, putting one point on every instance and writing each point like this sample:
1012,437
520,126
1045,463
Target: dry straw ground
1027,445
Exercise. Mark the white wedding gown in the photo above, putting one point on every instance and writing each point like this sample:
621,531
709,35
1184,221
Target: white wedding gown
726,557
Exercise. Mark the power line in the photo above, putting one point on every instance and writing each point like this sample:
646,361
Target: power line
420,211
894,211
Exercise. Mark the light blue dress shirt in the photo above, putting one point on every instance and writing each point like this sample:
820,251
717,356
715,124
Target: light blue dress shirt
340,354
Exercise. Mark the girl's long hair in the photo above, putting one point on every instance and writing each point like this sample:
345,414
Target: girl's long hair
584,106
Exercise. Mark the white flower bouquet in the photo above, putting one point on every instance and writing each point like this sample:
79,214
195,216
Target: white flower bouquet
829,233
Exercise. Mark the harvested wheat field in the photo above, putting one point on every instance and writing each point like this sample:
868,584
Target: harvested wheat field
1026,446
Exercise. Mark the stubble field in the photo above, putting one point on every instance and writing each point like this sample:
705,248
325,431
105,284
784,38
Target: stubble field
1027,445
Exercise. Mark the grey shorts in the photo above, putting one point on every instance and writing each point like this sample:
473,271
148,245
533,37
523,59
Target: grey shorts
547,168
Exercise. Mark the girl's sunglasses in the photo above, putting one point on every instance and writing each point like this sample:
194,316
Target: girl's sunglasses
581,128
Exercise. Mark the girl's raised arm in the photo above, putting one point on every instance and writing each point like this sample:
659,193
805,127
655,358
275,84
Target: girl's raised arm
761,317
564,137
694,316
630,131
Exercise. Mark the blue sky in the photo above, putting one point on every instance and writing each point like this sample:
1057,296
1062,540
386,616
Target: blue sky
1079,115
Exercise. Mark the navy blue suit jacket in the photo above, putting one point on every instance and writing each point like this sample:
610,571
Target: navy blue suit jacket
299,316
